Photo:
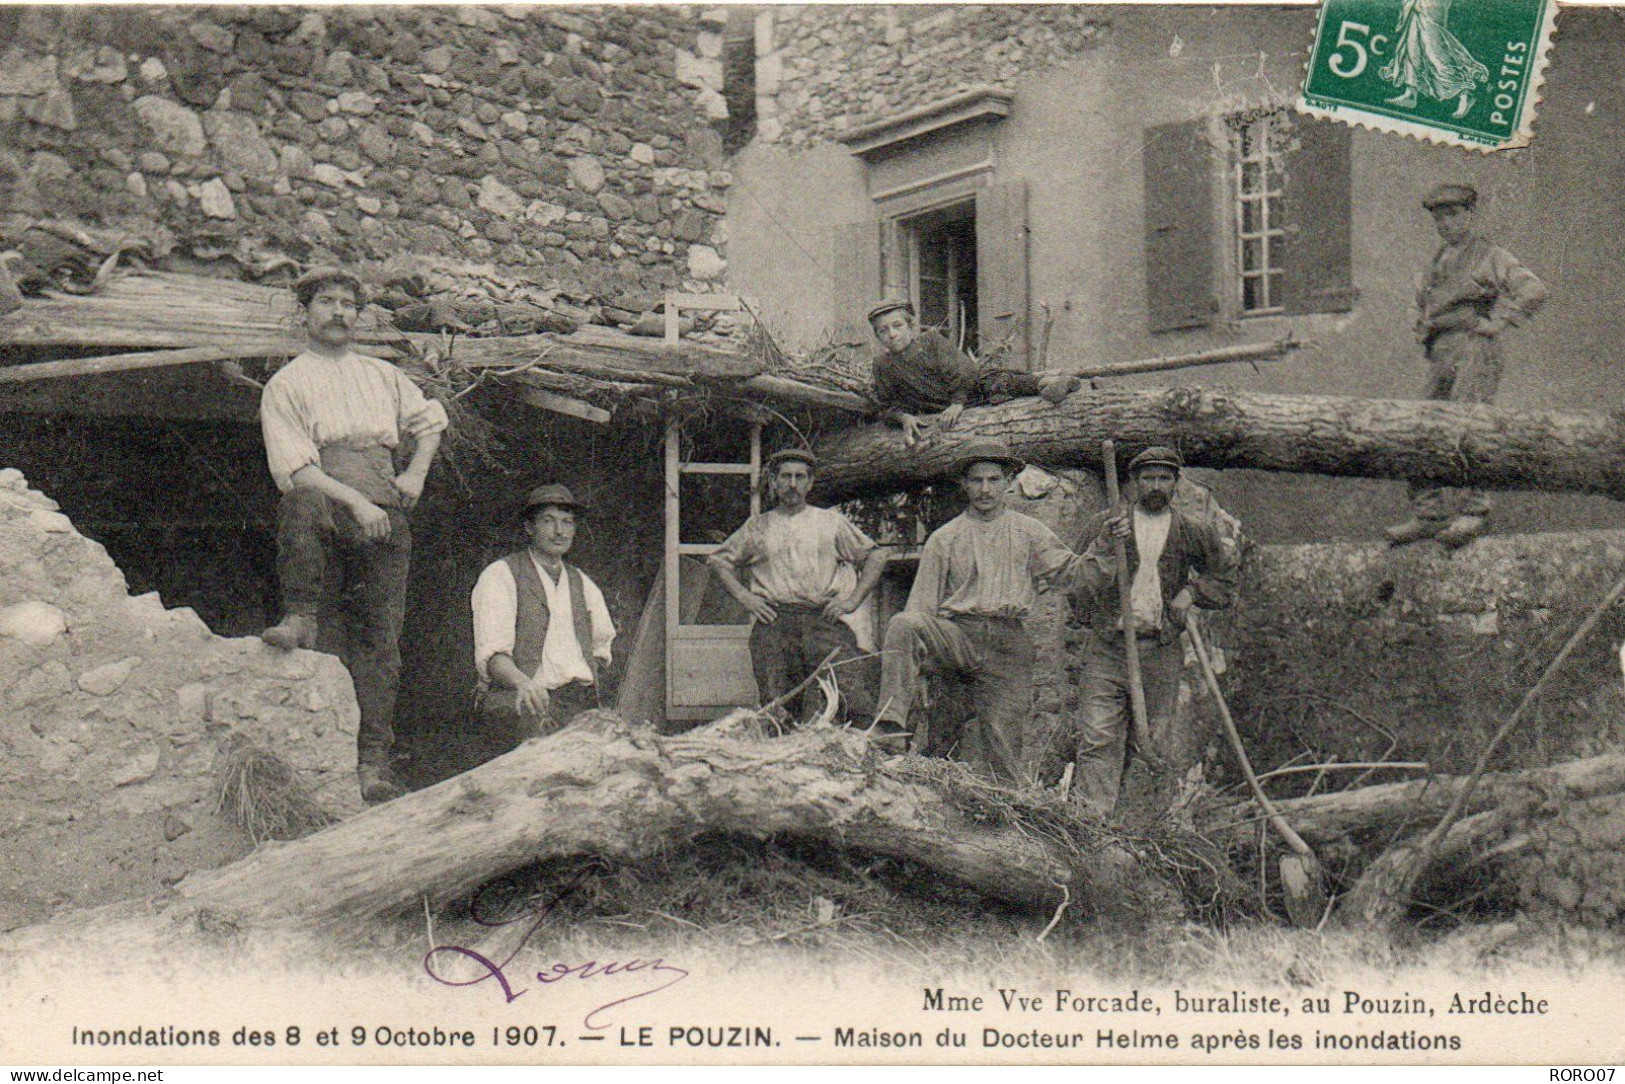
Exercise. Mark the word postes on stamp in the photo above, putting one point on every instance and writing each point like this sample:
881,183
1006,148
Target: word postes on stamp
1467,74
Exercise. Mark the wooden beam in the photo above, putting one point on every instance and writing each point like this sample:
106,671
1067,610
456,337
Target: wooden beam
149,359
1224,355
783,387
563,404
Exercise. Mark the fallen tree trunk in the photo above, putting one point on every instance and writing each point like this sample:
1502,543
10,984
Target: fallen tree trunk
1458,444
1391,811
604,787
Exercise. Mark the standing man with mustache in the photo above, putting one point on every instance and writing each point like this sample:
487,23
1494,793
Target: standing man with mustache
1178,557
797,598
332,419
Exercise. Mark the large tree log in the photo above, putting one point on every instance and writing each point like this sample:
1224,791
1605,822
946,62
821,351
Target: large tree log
1448,443
604,787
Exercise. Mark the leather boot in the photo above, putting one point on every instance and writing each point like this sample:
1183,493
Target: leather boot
293,631
1058,386
377,784
1462,530
1413,530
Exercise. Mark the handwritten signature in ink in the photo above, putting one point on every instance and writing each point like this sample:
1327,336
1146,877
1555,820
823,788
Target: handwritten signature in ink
512,986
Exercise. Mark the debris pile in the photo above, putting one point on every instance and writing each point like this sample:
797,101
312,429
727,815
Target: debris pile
113,717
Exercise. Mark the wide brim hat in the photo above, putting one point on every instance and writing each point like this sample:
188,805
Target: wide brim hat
1450,195
1156,456
553,494
987,451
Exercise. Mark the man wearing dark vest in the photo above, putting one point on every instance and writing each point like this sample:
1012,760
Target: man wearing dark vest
1471,292
542,633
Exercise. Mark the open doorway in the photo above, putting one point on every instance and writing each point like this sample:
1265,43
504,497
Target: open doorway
941,246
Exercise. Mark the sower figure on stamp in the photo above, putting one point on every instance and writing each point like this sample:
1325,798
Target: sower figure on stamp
978,578
542,633
332,419
1179,556
795,555
919,372
1470,294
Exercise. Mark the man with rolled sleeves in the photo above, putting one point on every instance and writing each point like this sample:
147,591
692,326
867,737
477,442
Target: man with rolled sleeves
332,419
1179,555
542,633
799,592
979,576
919,372
1471,292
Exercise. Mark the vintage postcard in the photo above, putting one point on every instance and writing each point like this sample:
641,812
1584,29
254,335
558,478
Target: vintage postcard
812,534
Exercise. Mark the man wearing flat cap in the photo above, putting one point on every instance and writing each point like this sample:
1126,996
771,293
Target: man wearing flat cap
919,373
332,420
979,576
1471,292
542,633
800,560
1180,555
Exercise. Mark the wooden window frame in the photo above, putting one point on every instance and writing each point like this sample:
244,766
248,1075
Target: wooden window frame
1255,142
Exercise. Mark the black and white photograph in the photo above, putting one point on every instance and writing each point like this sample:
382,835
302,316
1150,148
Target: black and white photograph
805,534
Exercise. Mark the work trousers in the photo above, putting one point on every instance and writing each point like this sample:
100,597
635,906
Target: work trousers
1001,385
1107,713
1462,368
319,542
501,728
993,656
783,653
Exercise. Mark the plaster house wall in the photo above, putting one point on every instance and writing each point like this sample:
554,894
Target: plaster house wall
1075,132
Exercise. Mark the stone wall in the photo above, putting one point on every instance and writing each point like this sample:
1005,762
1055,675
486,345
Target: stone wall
112,713
572,144
821,69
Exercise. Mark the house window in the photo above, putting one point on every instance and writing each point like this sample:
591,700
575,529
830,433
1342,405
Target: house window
1257,146
1248,216
942,269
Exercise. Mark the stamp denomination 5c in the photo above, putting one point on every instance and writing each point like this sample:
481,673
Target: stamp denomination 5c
1468,74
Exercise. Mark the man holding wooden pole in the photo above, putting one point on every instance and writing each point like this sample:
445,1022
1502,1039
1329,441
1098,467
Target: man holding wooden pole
1177,556
332,419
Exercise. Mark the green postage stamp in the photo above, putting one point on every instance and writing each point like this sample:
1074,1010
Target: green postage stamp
1467,74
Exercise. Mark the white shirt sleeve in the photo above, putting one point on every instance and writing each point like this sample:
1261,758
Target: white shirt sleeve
603,628
496,615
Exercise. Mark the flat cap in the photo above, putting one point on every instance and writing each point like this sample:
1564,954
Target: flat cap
793,455
306,285
891,304
1450,195
1156,456
553,494
987,451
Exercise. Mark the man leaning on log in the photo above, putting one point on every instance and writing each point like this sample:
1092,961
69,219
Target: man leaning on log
978,578
795,554
1180,554
542,633
332,419
918,372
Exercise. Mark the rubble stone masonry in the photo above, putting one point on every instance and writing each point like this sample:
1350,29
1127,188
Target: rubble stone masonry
577,144
822,69
113,710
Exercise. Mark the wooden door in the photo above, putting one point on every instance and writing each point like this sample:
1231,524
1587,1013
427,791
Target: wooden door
707,633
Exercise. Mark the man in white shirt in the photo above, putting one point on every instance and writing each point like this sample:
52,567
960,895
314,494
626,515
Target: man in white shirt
332,419
797,599
1180,554
542,633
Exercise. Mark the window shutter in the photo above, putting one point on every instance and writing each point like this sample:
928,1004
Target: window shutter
1178,226
1001,270
1317,262
856,272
